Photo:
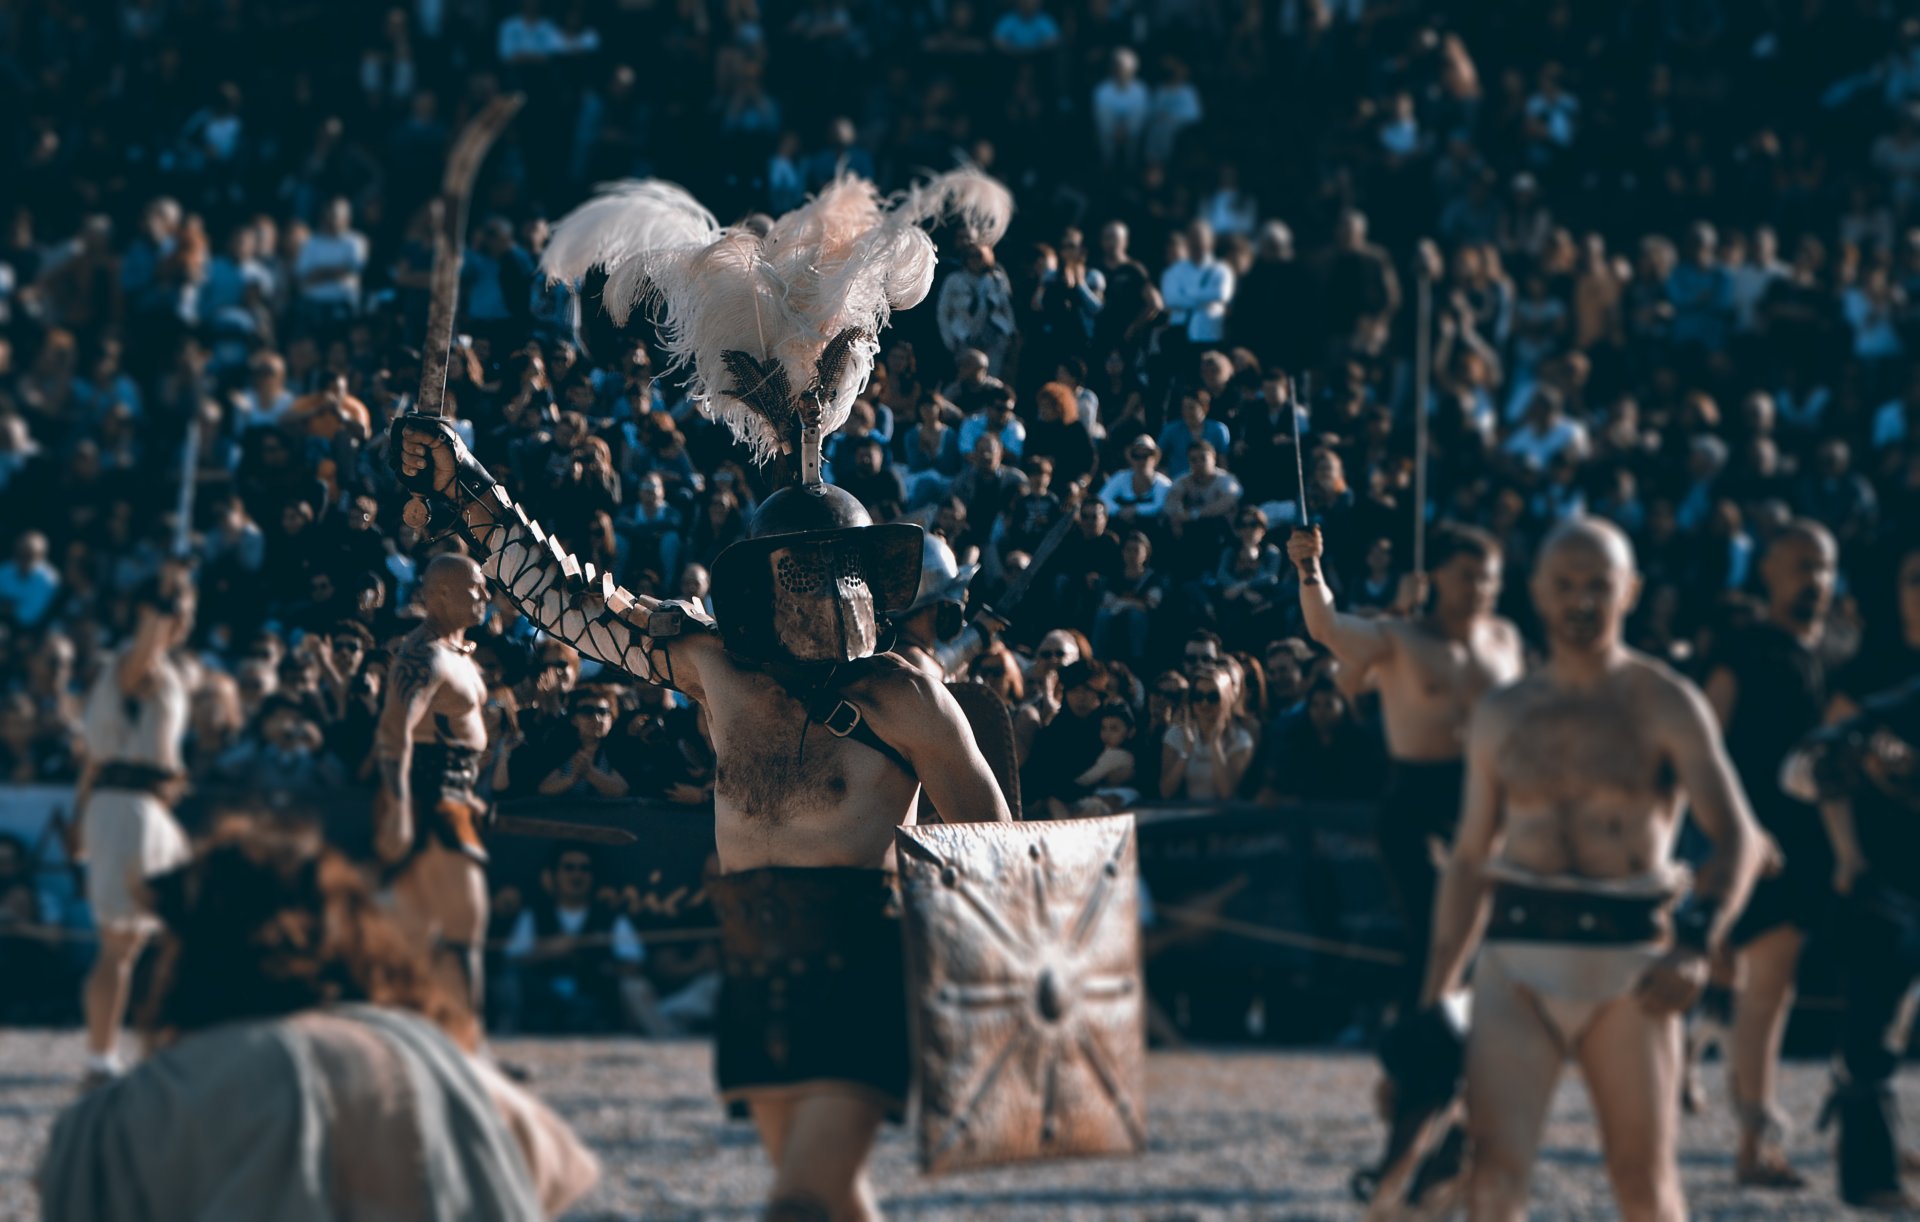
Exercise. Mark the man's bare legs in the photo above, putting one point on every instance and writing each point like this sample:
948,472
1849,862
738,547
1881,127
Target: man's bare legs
108,984
1632,1062
819,1144
440,902
1513,1065
1760,1011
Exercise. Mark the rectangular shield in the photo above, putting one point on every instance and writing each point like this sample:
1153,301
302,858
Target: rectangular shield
1025,989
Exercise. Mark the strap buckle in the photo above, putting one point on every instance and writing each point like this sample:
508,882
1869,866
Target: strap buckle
843,720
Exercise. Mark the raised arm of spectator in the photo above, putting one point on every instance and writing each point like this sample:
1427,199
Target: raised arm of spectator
1359,644
652,640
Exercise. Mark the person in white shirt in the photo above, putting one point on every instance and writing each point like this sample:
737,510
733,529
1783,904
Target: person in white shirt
1135,497
1546,433
1121,105
1196,286
1176,107
330,264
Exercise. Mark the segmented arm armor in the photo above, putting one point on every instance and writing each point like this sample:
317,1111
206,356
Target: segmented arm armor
566,597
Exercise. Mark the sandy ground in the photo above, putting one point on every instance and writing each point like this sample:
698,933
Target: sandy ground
1235,1134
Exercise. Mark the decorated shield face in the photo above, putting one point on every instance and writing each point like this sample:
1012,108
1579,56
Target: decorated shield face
822,607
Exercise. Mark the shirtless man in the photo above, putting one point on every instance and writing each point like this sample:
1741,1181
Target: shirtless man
428,744
1576,778
1431,669
822,748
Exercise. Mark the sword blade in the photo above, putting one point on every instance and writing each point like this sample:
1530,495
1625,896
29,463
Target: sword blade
1049,544
558,829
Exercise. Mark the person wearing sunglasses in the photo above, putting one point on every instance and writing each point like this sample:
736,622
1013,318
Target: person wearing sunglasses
1136,496
1204,754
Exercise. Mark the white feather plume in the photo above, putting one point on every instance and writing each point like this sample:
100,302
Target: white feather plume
844,260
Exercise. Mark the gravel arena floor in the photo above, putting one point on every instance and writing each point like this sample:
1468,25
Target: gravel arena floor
1235,1134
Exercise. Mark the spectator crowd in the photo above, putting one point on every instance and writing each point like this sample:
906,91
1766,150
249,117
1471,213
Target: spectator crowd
1666,253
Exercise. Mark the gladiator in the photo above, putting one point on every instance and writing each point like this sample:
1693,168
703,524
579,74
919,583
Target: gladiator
1767,685
1864,772
1430,668
822,748
136,718
427,817
1592,942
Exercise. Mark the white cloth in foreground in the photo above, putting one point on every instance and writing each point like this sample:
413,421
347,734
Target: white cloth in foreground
353,1113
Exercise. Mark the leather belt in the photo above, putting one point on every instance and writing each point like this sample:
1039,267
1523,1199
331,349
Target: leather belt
1553,914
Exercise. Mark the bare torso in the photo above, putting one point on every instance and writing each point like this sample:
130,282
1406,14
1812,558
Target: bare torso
1429,683
1585,785
455,714
787,792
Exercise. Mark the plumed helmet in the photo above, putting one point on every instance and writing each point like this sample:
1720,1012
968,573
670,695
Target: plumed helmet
814,578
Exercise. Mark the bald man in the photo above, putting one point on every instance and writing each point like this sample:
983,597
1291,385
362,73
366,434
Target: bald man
1767,685
428,744
1593,945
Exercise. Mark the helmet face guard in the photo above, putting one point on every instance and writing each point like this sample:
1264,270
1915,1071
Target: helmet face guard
822,607
816,583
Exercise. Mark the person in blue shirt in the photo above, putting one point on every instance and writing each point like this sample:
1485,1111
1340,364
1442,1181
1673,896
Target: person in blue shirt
1193,425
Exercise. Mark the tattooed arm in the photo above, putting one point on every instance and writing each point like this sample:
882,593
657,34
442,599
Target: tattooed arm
415,676
652,640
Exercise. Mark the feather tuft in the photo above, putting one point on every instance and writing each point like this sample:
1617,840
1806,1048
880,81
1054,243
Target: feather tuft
749,318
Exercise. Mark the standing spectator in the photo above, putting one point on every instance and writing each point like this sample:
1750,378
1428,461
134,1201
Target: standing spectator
1121,105
1176,107
1197,287
328,270
1362,292
976,309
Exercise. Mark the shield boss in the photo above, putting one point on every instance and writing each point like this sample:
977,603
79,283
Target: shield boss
1023,971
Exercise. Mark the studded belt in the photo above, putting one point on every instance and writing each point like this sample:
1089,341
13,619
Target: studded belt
1555,914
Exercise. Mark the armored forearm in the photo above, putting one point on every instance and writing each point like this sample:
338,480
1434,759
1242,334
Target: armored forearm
567,598
953,656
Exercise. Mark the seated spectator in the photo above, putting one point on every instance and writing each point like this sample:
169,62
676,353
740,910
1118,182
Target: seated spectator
574,958
39,985
1108,782
1129,602
283,758
1135,497
1322,755
1194,424
1069,742
1200,507
30,584
1060,435
994,415
1204,754
871,477
586,771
